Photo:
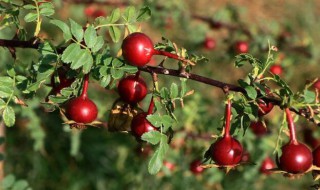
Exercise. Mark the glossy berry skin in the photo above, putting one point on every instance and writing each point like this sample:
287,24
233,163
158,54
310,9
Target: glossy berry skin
241,47
137,49
132,89
209,43
264,108
64,81
195,167
266,165
276,69
81,110
258,129
296,158
226,151
140,125
316,85
316,156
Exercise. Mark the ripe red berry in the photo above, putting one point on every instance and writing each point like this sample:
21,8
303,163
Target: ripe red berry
296,158
64,81
195,167
309,139
316,156
209,43
226,151
264,108
258,128
169,165
88,11
241,47
99,13
141,125
137,49
316,85
132,89
276,69
266,165
81,110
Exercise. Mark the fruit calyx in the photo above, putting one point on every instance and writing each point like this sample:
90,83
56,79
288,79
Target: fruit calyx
138,49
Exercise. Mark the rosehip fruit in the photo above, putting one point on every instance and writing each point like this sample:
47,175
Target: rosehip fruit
257,128
316,85
64,81
309,139
296,158
195,167
266,165
137,49
241,47
209,43
132,89
81,110
169,165
226,151
141,125
245,157
276,69
316,156
264,108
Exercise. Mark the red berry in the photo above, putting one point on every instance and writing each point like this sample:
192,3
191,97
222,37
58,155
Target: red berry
209,43
316,157
276,69
195,167
64,81
266,165
264,108
257,128
241,47
245,157
137,49
296,158
169,165
316,85
81,110
132,89
226,151
141,125
98,13
310,140
88,11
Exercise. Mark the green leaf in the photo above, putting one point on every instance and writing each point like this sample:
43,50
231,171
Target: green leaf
309,96
105,81
167,122
144,14
70,53
129,69
99,44
76,30
47,11
8,181
155,120
6,81
164,93
116,63
2,104
115,33
251,92
5,91
90,37
8,116
82,58
152,137
129,14
174,91
132,28
64,27
115,16
29,7
58,99
30,17
183,87
20,185
156,160
117,73
88,63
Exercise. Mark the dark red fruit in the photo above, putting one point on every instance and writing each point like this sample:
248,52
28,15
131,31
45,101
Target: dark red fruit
64,81
195,167
310,140
266,165
226,151
258,129
316,85
276,69
264,108
141,125
296,158
132,89
81,110
241,47
137,49
245,157
316,157
209,43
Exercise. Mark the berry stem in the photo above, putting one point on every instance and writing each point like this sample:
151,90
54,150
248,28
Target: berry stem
227,119
291,127
151,106
170,55
137,74
85,86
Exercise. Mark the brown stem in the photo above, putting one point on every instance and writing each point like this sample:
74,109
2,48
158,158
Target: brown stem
85,86
227,119
291,127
